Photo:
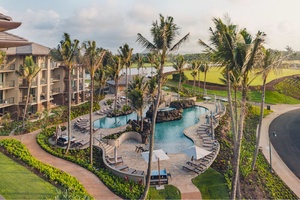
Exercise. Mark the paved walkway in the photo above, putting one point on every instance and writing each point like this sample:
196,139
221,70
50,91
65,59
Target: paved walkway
278,165
91,182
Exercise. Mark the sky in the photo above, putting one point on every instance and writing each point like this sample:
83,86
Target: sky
112,23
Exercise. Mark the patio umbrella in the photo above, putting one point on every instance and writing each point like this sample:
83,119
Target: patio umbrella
196,152
157,155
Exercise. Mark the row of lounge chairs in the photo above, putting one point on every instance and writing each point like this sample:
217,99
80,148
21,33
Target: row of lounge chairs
82,125
119,165
103,111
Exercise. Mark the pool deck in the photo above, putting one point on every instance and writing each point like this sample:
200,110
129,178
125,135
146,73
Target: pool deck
180,178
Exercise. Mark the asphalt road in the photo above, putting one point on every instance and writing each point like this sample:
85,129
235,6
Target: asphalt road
287,142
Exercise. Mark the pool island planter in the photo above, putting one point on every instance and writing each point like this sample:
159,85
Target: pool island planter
124,136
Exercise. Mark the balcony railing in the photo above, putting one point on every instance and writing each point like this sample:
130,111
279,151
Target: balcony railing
55,90
43,65
7,84
53,65
43,81
25,84
11,67
7,101
56,77
31,100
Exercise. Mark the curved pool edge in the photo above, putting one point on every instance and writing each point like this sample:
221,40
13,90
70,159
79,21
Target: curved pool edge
190,131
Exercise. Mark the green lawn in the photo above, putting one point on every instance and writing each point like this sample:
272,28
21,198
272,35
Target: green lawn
212,185
17,182
214,75
170,192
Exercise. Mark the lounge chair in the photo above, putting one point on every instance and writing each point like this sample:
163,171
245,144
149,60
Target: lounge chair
191,168
139,172
122,167
130,171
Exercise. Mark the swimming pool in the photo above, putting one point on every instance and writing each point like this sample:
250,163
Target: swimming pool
168,135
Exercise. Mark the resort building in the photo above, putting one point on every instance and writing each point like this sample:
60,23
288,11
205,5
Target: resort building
50,86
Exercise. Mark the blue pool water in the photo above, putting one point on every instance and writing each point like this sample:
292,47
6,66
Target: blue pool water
168,135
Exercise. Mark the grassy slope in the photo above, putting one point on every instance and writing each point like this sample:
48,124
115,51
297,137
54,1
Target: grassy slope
212,185
17,182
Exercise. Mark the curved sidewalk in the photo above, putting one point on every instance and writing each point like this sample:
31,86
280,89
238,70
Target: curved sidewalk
91,182
278,165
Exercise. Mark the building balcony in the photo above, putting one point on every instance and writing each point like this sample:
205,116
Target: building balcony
55,91
53,65
56,77
43,65
43,81
6,102
31,100
7,85
25,84
7,68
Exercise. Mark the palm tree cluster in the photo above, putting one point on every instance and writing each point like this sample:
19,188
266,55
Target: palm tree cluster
241,55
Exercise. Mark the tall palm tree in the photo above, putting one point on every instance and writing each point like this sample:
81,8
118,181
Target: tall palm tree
126,54
28,71
271,62
114,70
204,69
93,60
136,93
178,65
163,32
67,52
235,50
194,67
140,62
101,78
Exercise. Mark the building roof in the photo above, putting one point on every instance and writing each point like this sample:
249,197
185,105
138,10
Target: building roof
32,49
10,40
122,80
6,23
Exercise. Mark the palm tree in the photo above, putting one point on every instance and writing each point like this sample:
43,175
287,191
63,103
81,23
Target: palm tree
28,71
235,50
126,54
114,69
140,62
271,61
178,65
67,53
194,67
93,60
136,93
204,69
101,78
163,32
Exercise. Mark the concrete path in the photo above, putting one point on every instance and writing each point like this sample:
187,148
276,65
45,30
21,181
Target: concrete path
91,182
277,163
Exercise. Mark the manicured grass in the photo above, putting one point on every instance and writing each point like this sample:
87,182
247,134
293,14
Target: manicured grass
170,192
212,185
17,182
214,75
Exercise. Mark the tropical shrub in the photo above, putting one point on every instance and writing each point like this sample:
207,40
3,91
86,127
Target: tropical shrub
125,188
16,149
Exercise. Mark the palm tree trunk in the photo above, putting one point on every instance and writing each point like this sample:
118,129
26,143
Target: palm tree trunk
91,119
194,81
69,110
260,122
26,105
199,82
127,84
179,86
237,152
142,121
152,131
116,93
204,84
